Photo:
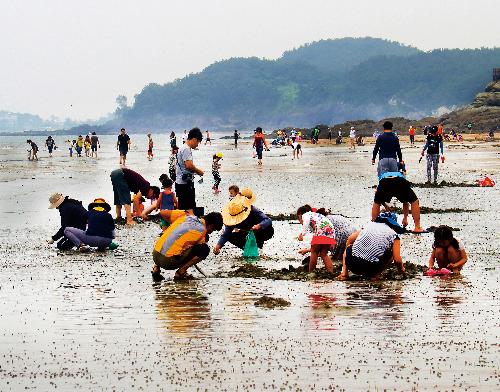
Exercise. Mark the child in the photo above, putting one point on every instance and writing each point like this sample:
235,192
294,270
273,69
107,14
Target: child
71,145
215,171
323,235
297,149
166,202
172,162
79,145
150,147
234,191
138,206
87,146
449,252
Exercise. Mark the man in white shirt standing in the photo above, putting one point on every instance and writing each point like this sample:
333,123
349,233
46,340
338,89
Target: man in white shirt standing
352,136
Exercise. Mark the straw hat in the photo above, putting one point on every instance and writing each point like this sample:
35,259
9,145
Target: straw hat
248,193
236,211
100,203
56,200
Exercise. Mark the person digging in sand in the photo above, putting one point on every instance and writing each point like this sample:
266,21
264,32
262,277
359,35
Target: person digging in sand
183,244
447,251
73,214
323,235
394,184
125,181
371,250
100,228
240,216
343,229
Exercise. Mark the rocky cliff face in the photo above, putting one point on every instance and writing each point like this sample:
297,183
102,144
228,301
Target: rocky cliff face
483,112
490,97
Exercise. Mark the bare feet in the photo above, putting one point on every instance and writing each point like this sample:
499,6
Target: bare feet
342,277
418,229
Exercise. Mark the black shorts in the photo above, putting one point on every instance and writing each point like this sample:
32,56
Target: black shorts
186,196
363,267
93,148
174,262
397,187
123,153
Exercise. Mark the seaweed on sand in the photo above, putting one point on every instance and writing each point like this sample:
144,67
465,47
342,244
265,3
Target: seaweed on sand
253,271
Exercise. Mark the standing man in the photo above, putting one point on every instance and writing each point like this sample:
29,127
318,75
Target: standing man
184,137
185,171
122,145
236,137
352,137
389,150
329,134
51,144
94,144
208,140
411,131
433,144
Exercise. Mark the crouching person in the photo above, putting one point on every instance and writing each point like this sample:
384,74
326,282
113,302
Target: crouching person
371,250
100,228
183,244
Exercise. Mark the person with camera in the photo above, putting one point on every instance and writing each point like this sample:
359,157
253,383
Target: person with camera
185,171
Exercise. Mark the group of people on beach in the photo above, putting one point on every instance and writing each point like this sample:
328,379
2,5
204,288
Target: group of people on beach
185,226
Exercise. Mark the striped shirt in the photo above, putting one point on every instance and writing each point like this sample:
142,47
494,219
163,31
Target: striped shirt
184,232
373,241
343,228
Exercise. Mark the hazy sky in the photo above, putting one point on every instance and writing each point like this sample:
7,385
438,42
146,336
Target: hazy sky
84,53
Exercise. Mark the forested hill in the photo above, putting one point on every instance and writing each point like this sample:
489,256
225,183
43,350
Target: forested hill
326,82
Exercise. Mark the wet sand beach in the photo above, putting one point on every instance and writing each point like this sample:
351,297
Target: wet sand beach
97,321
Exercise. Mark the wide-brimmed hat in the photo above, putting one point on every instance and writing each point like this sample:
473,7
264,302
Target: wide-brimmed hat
236,211
248,193
56,200
100,202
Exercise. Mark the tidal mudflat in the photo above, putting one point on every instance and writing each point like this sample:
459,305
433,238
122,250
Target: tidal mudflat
97,321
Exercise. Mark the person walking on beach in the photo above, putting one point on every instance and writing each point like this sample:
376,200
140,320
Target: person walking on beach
173,140
240,216
73,214
150,147
371,250
184,137
215,171
208,140
123,145
51,145
389,151
329,135
80,142
433,145
236,137
94,144
125,181
172,163
183,244
100,229
87,144
33,151
185,171
352,137
411,132
259,142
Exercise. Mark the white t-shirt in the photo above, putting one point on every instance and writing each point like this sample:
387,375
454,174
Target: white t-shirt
184,154
352,133
184,137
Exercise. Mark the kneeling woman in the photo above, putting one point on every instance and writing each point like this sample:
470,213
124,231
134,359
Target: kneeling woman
240,216
371,250
100,227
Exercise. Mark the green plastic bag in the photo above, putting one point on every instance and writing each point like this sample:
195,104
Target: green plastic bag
251,251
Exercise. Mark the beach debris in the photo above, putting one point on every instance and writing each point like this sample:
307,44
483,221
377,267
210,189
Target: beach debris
271,302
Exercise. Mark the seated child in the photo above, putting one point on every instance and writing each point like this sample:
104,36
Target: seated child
138,206
449,252
166,202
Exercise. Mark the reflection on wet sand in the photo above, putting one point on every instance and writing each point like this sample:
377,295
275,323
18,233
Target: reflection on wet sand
183,309
449,292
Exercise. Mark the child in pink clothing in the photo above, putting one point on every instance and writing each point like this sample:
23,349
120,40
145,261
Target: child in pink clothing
319,225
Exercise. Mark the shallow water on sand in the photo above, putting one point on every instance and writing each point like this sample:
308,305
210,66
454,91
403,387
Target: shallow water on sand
97,322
